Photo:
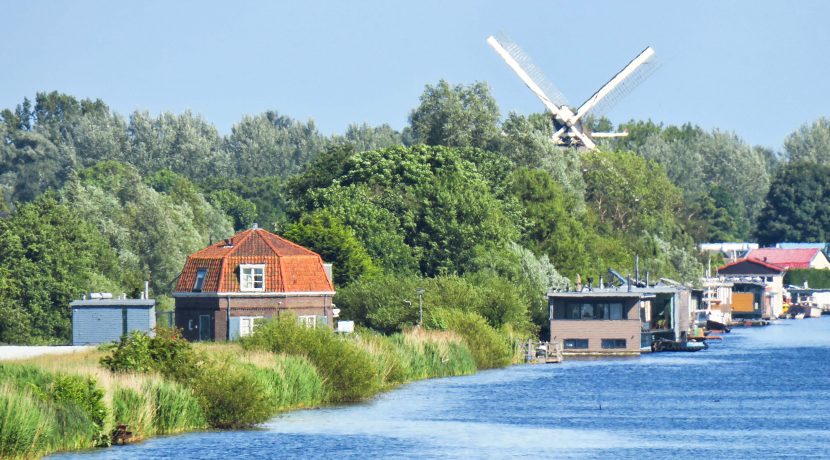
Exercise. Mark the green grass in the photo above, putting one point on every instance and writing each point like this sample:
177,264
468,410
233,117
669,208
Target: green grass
26,425
54,405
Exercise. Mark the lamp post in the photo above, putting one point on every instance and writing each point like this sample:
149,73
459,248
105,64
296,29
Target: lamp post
420,292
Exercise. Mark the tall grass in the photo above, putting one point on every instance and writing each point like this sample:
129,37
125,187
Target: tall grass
134,409
431,354
292,382
489,347
349,372
26,425
175,408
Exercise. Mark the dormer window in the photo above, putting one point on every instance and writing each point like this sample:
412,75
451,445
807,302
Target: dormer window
200,279
252,278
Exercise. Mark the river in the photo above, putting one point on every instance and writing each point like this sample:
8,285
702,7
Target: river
761,393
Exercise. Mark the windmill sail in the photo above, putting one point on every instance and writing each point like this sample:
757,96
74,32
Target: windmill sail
526,63
623,83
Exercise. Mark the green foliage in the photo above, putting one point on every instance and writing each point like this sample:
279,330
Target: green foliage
176,408
291,382
796,207
134,409
456,116
429,354
489,348
152,231
810,143
815,278
336,243
233,396
167,352
348,371
242,211
82,392
26,429
48,257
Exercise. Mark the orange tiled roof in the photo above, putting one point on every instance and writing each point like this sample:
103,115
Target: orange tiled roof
289,267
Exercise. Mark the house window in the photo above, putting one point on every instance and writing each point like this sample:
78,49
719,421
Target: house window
573,344
252,277
613,343
200,279
309,321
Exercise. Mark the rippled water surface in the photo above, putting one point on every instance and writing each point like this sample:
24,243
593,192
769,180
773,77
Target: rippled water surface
762,393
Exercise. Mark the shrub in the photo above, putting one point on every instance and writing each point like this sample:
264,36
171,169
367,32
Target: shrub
489,348
392,365
82,392
167,353
233,396
348,371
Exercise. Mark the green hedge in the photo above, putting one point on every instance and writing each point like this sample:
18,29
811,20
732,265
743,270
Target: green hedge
816,279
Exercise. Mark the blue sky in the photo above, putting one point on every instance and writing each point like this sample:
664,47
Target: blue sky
756,67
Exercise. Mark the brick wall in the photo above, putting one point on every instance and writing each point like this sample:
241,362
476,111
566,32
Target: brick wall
595,331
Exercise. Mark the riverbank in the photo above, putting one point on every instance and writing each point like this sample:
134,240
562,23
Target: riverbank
72,402
759,394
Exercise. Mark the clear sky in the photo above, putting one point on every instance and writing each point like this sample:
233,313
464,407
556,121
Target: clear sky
759,68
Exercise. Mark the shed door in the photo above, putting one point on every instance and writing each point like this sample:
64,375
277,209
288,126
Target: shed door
205,332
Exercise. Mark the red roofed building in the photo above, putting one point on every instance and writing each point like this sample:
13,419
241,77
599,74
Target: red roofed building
254,274
791,258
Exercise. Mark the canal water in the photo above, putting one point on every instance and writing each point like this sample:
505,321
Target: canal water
761,393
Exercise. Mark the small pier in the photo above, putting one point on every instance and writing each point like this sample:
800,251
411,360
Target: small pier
536,352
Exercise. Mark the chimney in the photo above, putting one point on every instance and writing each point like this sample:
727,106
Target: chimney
146,290
255,226
328,269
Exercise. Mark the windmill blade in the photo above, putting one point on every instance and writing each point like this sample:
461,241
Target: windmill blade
623,83
520,63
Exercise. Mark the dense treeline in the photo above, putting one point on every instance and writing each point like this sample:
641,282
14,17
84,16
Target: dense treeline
484,212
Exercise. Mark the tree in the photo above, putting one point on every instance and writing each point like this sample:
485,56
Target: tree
810,143
797,207
336,243
48,257
456,116
273,145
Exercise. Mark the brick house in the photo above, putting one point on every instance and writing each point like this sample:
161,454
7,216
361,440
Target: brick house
254,274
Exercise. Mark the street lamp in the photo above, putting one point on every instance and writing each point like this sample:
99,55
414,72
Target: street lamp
420,292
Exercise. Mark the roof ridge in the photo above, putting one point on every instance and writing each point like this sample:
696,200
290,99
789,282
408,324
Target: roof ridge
291,243
279,261
241,240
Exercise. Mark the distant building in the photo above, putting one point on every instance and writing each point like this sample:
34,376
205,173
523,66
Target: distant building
730,251
757,290
104,319
791,258
225,287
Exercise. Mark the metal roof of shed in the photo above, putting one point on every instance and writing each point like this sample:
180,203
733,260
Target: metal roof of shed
113,303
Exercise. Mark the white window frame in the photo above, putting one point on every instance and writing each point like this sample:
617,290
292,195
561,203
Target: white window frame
250,275
309,321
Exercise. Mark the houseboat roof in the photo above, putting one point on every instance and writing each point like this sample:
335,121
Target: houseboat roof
750,266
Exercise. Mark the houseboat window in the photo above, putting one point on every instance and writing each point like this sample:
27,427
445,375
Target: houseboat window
571,344
252,277
200,279
613,343
589,311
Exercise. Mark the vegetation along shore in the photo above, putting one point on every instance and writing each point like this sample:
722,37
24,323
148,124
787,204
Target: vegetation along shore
145,386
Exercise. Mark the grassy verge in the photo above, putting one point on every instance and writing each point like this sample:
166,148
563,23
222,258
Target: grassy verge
165,385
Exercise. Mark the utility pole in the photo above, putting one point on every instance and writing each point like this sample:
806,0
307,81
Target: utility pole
420,292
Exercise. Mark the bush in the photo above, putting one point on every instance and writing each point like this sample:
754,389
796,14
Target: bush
348,371
167,353
489,348
82,392
233,396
